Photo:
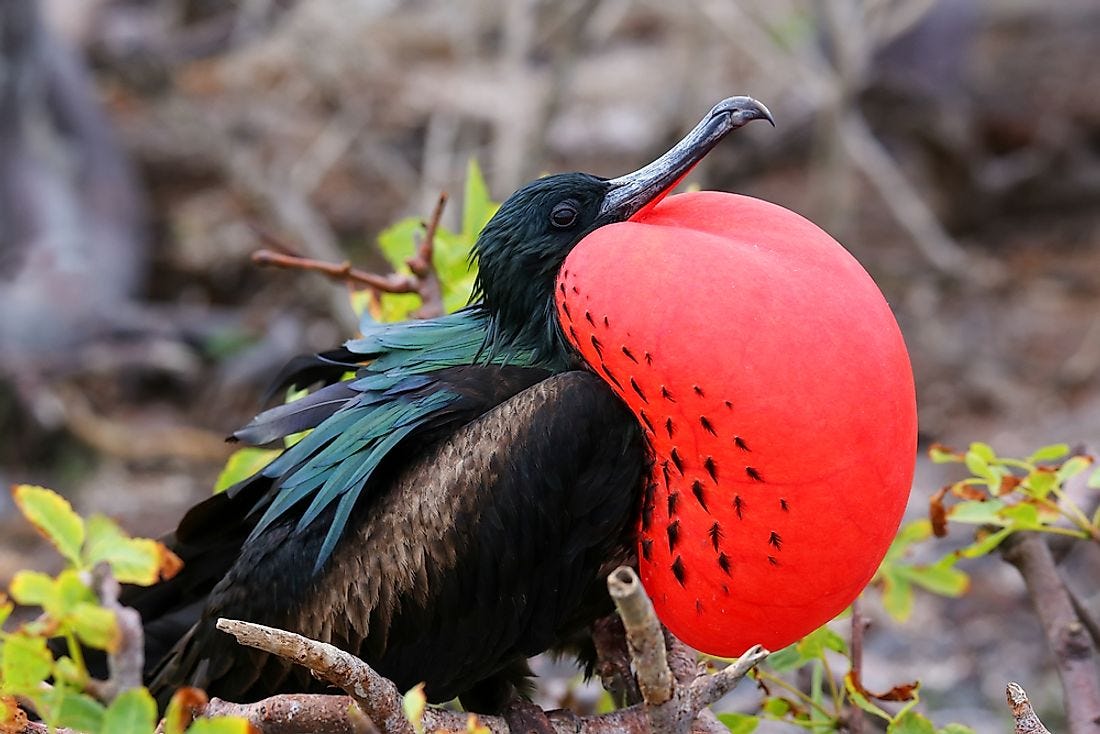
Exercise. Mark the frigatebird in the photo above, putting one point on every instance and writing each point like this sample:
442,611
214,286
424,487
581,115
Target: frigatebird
458,503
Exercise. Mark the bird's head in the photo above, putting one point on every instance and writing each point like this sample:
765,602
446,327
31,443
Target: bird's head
522,248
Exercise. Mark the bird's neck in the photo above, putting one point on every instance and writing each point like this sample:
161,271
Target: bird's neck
535,334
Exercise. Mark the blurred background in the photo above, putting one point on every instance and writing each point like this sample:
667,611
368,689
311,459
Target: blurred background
952,146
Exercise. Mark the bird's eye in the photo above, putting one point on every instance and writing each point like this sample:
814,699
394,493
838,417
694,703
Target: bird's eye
563,215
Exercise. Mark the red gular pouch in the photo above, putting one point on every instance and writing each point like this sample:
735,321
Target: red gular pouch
775,391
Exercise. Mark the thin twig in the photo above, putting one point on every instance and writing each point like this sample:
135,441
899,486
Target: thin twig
423,279
1022,712
859,625
127,662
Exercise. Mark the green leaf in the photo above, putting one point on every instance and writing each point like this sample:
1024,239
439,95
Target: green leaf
54,517
1094,480
242,464
739,723
776,707
814,644
477,206
33,588
943,455
897,593
132,712
977,465
1022,516
70,592
1040,483
398,242
983,450
96,627
78,711
939,578
414,704
138,561
984,545
786,659
1073,467
1053,452
974,512
910,723
955,729
25,663
220,725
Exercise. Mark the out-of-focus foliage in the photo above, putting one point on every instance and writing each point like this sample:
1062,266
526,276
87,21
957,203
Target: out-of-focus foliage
59,688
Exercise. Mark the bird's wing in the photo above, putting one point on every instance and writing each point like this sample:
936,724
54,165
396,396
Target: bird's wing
397,393
488,547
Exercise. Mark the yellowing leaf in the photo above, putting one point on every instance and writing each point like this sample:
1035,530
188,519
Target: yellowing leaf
221,725
12,718
33,588
69,592
96,627
1049,453
414,704
53,516
857,698
132,712
910,723
185,705
138,561
242,464
25,663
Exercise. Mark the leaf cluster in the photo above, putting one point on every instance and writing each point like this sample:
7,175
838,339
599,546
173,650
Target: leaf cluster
59,690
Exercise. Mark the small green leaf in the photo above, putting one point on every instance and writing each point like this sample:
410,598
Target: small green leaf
897,593
25,663
910,723
1094,480
776,707
53,516
1040,483
943,455
955,729
985,544
1053,452
1073,467
975,512
477,206
1022,516
78,711
939,578
33,588
66,670
977,465
132,712
242,464
983,450
814,644
69,592
220,725
786,659
739,723
96,627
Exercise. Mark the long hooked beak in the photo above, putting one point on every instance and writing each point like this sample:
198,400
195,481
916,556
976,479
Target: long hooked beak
631,193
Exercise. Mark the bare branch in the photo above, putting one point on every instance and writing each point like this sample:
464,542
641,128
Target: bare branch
644,635
126,663
1022,712
1068,638
423,280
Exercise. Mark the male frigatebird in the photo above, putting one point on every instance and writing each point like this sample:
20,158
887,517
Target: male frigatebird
459,502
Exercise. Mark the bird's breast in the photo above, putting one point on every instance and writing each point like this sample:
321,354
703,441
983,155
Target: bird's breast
775,391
